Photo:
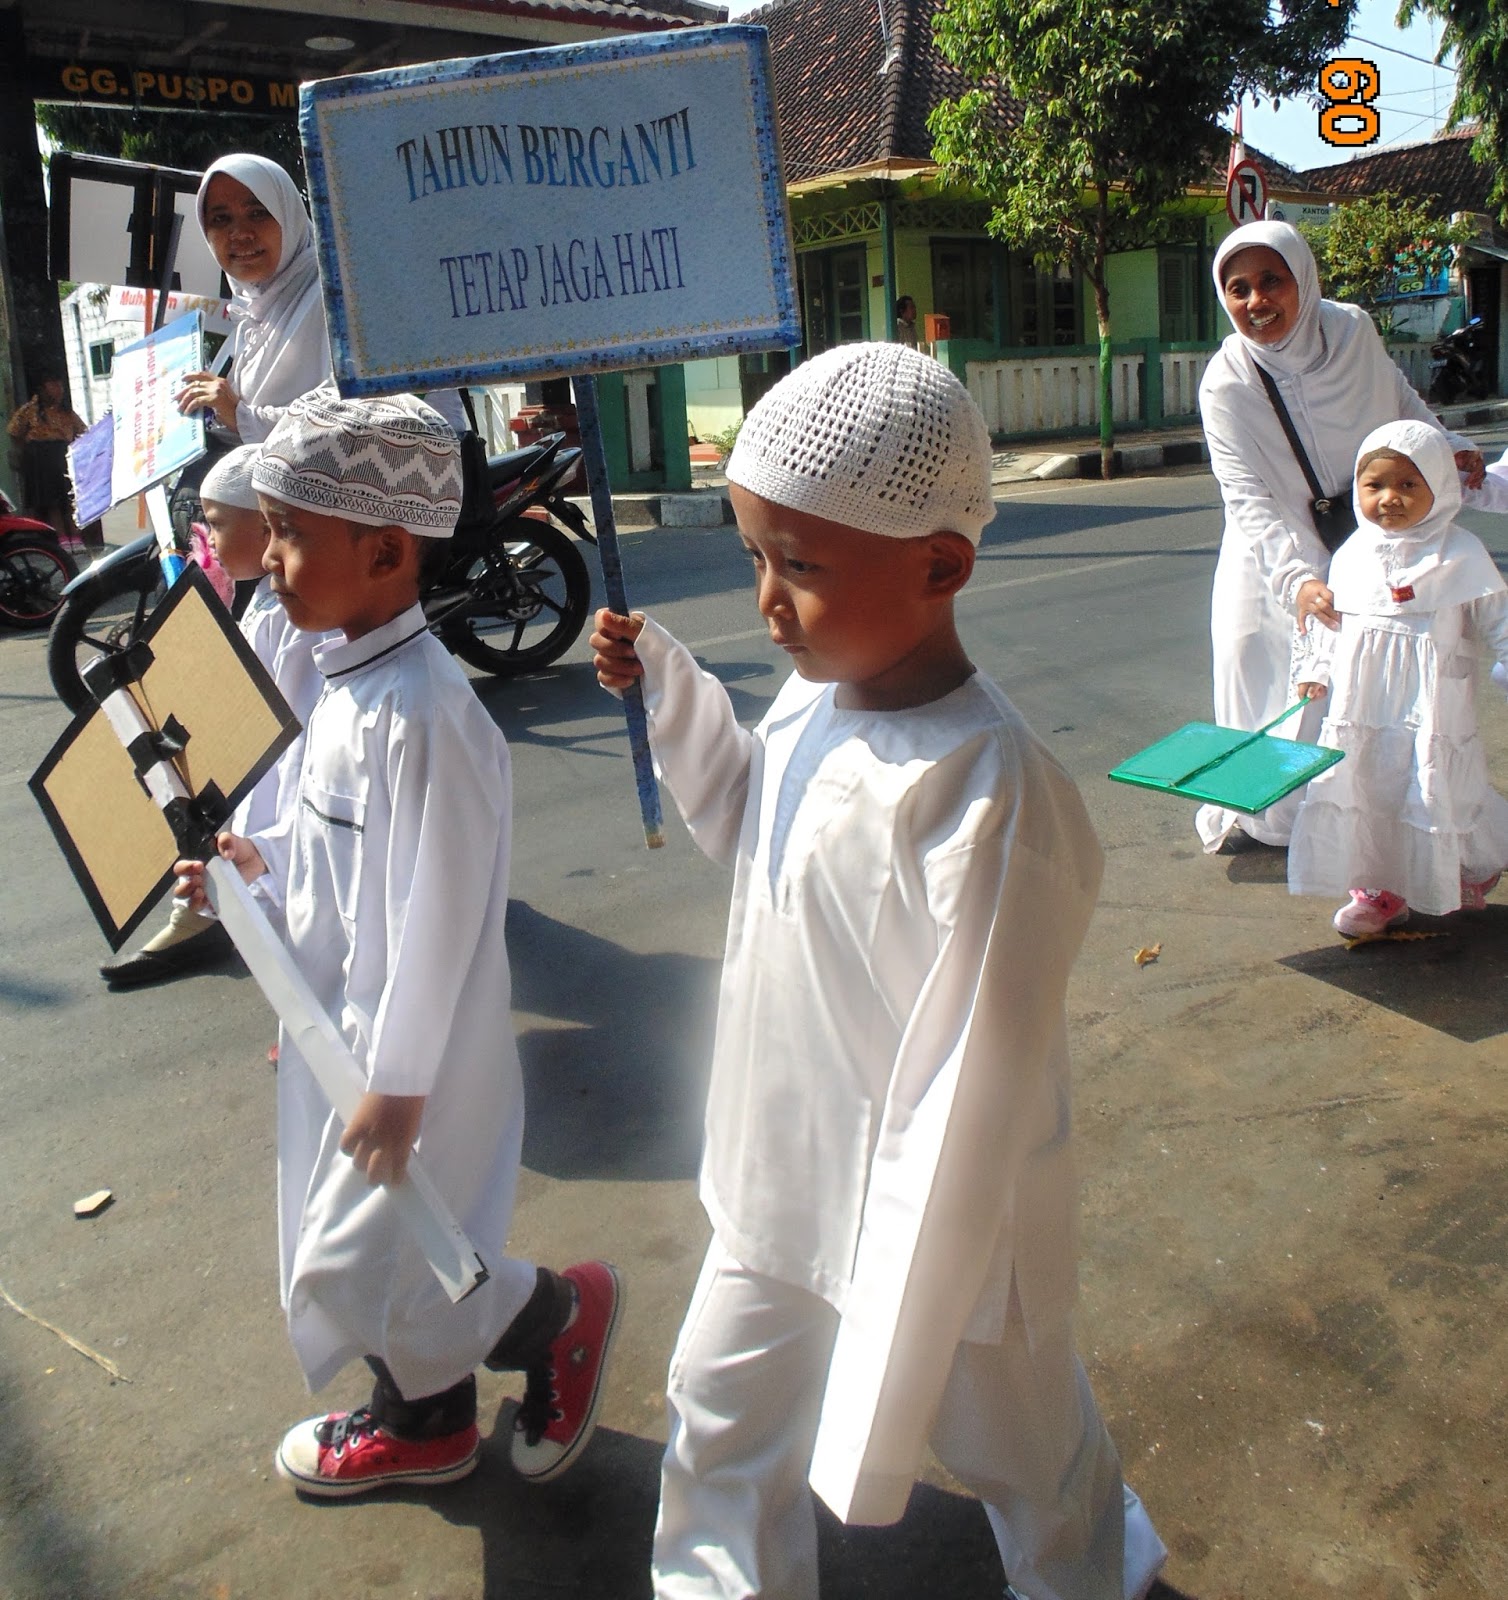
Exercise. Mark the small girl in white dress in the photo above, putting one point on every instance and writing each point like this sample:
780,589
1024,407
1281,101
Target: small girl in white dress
1408,819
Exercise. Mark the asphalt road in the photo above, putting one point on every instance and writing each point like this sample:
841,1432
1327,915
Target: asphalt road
1294,1246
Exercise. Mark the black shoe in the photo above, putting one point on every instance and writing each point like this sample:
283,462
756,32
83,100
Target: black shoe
199,950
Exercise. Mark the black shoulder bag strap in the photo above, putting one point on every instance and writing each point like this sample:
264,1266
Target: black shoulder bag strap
1333,515
1269,383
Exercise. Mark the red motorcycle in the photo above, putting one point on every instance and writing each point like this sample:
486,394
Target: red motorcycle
34,570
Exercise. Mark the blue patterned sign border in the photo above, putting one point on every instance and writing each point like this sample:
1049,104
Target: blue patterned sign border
759,310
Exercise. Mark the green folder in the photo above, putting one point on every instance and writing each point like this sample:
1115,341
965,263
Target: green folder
1231,767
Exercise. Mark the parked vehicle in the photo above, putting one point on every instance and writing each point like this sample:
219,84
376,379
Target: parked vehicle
35,569
1460,365
510,593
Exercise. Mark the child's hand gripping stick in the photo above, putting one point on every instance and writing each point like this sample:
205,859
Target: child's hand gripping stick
451,1255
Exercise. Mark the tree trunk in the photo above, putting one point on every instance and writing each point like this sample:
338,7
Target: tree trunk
1102,316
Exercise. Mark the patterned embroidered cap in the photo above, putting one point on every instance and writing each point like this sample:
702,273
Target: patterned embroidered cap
874,436
228,482
393,461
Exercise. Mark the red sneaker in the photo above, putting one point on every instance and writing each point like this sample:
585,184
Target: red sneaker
564,1393
346,1453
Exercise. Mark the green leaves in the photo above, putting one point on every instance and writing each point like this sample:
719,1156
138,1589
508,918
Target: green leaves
1476,32
1378,246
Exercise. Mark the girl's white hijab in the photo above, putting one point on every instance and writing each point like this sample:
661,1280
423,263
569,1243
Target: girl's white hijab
1304,347
1432,564
280,300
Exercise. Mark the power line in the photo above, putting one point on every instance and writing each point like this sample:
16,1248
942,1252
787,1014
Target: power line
1372,44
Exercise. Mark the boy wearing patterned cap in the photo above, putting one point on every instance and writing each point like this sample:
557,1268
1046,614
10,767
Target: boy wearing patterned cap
887,1166
393,881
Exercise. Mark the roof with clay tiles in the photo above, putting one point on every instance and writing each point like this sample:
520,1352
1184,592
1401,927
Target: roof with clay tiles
1441,168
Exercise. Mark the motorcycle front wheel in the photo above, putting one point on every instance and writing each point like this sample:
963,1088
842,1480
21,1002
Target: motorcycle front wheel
33,575
529,597
102,615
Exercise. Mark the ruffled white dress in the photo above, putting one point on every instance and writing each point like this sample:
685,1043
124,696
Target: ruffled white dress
1410,809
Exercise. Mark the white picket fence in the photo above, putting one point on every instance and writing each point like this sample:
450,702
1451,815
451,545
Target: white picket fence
1413,361
1052,393
1060,393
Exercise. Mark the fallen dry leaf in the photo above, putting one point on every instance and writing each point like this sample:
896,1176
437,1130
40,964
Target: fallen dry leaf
1148,952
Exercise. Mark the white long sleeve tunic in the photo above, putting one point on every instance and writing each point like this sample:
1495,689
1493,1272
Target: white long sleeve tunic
888,1116
397,889
288,654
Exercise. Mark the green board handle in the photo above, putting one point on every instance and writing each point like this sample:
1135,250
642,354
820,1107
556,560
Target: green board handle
1225,755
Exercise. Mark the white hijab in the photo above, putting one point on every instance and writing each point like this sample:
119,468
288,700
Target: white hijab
1424,568
282,349
1304,347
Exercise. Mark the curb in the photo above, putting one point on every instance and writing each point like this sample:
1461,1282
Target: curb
1131,458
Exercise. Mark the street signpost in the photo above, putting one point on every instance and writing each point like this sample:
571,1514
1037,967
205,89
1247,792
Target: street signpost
1246,193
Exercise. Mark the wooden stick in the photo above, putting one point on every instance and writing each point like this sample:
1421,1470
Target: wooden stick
589,420
67,1338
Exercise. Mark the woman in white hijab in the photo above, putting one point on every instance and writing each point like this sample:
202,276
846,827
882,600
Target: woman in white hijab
254,221
1332,371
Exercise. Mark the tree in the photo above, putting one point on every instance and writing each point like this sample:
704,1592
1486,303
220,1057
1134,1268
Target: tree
1372,248
1112,113
190,140
1476,33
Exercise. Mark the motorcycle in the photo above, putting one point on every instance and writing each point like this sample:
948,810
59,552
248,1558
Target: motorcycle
35,569
509,594
1459,365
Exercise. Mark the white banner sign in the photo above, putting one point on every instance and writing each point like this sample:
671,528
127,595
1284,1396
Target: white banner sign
548,212
130,305
151,439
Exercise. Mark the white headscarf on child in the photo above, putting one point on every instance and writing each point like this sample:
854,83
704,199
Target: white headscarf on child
390,462
228,482
1433,564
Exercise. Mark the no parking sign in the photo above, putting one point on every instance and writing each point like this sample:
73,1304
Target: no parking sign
1246,193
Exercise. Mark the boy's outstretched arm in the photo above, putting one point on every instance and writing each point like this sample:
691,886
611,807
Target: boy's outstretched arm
700,751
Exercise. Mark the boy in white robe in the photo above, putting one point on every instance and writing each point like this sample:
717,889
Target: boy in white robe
393,878
887,1167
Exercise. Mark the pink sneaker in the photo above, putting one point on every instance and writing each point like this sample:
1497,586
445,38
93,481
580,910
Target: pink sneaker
1474,895
564,1393
1370,911
346,1453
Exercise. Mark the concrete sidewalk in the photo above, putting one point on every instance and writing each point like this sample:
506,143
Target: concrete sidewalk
1137,453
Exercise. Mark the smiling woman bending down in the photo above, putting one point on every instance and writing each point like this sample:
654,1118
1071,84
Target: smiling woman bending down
1328,366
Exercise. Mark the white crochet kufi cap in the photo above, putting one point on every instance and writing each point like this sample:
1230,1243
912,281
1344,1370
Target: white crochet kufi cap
228,482
393,461
874,436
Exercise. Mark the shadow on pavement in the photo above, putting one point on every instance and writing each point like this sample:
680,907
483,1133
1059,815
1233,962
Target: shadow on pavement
1455,981
618,1091
589,1535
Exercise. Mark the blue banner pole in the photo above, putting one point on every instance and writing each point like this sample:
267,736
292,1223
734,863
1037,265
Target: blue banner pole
589,420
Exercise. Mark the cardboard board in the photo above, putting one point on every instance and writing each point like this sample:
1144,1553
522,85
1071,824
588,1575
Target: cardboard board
203,674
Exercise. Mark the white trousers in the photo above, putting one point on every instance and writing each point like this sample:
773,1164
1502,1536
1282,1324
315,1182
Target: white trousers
1018,1427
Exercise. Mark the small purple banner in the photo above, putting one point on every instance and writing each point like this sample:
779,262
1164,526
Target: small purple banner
91,459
